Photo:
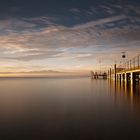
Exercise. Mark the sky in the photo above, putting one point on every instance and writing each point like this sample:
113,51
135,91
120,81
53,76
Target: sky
40,36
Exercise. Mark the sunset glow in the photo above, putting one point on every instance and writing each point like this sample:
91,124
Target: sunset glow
73,39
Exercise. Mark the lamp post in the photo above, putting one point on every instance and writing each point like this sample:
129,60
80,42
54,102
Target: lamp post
123,57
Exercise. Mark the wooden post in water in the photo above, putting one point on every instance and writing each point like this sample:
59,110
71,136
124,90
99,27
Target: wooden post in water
138,61
131,77
115,72
110,73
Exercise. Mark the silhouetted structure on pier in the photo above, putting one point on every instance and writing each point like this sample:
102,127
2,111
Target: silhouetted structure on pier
95,75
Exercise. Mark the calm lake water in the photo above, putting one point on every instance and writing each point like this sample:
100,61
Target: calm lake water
68,108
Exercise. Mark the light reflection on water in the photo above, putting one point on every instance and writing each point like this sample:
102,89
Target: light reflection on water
126,93
68,108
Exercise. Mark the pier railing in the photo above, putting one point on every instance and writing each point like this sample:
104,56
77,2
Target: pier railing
132,64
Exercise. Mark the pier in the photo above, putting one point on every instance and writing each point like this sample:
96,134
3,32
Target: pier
95,75
128,72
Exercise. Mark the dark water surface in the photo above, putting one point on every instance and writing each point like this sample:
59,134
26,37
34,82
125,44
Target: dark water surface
68,108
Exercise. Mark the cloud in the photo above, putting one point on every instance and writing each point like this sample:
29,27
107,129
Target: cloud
41,38
34,55
100,21
15,24
51,42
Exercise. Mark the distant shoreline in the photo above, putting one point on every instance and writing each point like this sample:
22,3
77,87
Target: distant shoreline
41,77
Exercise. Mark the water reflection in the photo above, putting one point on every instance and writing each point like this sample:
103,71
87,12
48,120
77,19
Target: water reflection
126,93
68,108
